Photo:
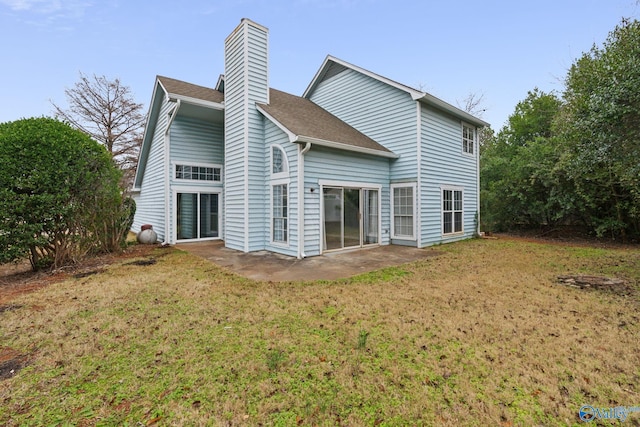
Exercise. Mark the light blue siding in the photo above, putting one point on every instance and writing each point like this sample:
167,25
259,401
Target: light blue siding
328,164
150,204
443,163
245,84
386,114
194,141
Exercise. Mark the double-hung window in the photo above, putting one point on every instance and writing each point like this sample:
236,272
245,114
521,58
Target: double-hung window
452,210
468,139
403,204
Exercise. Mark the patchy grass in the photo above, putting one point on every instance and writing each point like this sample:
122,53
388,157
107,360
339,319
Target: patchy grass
481,335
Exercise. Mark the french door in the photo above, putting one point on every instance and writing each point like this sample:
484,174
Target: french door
198,216
351,217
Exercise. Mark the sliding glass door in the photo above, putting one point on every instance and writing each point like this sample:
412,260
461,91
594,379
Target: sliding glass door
198,215
350,217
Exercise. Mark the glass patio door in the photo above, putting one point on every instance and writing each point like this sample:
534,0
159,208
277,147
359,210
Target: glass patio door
198,216
350,217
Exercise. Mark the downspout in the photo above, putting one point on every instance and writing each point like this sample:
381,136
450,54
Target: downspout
167,170
301,154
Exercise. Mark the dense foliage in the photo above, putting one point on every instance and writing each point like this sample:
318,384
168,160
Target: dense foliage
574,158
59,194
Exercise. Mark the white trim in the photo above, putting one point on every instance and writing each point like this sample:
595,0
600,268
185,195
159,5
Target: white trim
273,183
301,202
477,159
346,147
418,221
349,184
416,95
196,101
292,136
198,191
414,187
453,188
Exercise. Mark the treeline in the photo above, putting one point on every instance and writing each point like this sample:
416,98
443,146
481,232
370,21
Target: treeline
572,158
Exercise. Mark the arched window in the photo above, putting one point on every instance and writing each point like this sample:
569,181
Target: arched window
279,164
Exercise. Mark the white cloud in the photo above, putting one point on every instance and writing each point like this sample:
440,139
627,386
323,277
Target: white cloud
73,8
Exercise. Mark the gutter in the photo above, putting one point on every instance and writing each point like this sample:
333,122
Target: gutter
301,154
167,170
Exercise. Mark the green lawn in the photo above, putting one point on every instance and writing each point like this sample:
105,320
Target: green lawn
480,335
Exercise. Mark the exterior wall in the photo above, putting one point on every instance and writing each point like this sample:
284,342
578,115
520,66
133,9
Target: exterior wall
150,203
194,142
275,136
443,163
245,84
382,112
323,163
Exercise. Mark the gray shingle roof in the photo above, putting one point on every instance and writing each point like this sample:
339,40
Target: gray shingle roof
178,87
306,119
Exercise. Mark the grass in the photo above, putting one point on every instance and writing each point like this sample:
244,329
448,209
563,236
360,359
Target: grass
480,335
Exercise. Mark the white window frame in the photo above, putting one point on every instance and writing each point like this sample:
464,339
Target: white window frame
175,164
195,190
453,211
285,162
473,143
413,187
286,242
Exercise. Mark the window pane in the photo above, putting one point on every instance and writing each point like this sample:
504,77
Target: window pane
277,160
458,222
446,217
279,213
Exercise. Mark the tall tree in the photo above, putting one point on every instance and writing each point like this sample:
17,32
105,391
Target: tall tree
601,126
105,110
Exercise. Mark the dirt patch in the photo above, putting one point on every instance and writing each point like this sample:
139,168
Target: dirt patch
17,278
11,362
142,262
606,284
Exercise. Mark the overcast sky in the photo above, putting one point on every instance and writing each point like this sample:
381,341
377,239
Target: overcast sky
498,49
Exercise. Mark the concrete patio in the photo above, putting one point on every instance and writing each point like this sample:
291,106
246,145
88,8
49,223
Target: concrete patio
267,266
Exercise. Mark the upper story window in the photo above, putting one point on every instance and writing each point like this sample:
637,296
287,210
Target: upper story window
468,139
279,165
198,173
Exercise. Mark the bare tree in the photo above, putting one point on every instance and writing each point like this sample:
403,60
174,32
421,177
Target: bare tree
473,104
105,110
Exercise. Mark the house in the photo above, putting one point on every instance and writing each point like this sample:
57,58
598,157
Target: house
357,160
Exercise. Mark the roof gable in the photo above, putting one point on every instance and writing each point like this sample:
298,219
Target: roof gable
188,91
333,66
305,121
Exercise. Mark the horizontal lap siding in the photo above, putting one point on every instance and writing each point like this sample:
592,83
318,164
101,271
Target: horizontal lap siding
322,163
150,204
245,84
443,163
382,112
197,141
194,141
